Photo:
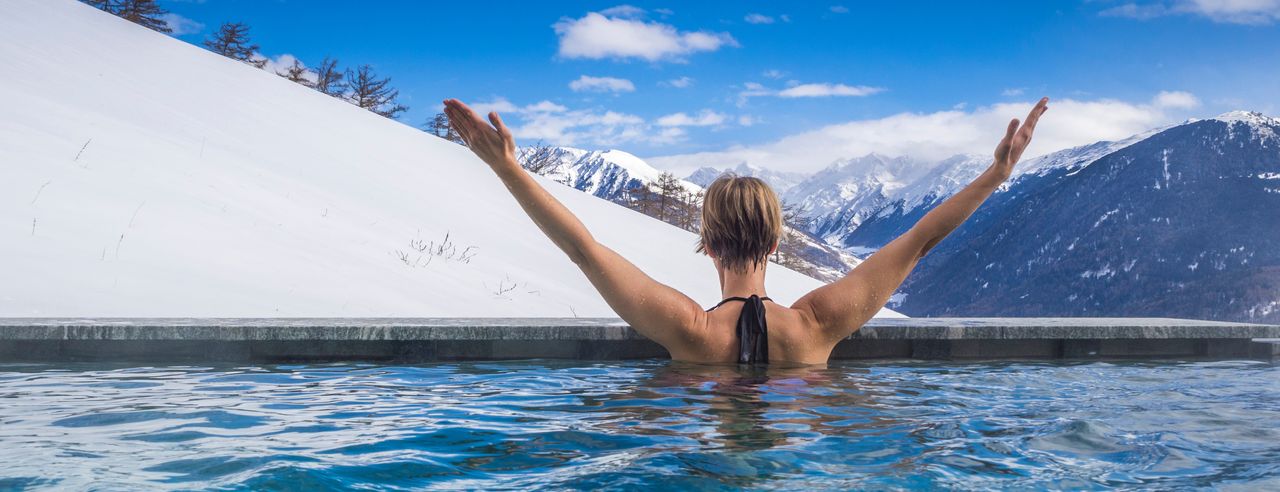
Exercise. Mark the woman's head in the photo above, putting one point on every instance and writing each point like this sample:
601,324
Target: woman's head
741,222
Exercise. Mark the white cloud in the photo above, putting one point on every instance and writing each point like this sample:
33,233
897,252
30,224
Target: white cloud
1176,100
754,18
839,9
747,120
1013,92
501,105
774,74
795,90
587,83
1255,12
827,90
705,118
181,25
600,35
941,134
679,83
624,11
558,125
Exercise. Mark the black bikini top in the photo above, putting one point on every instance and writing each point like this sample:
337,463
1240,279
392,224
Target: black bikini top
753,332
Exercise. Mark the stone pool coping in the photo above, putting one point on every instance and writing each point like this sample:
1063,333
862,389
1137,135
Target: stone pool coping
436,339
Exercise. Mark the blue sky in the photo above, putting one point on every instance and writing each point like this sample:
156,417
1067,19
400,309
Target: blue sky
790,85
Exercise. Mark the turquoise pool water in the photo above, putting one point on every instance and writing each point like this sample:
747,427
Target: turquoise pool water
646,425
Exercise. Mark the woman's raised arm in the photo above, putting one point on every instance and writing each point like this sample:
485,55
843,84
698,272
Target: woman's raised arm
840,308
653,309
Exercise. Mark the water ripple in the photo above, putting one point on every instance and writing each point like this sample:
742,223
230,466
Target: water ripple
640,425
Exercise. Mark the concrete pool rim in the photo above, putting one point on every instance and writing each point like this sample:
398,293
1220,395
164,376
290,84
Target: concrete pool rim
444,339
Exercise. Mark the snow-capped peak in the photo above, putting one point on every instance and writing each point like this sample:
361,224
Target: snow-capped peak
1250,117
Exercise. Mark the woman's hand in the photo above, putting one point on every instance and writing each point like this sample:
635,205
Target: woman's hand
1016,139
492,144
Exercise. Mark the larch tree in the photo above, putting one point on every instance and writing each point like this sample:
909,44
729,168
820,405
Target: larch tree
670,197
232,41
329,78
103,5
439,126
372,93
641,198
146,13
297,73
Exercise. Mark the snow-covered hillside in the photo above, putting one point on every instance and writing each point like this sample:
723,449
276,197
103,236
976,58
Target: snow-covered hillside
147,177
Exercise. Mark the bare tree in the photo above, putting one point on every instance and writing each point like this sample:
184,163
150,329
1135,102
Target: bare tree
791,243
642,199
439,126
794,216
145,13
689,210
670,192
232,41
329,78
372,93
539,158
297,73
103,5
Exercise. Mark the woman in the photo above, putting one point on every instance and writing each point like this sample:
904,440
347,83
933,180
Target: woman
741,226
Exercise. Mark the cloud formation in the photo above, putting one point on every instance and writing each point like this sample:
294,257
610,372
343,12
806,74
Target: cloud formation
705,118
556,124
796,90
754,18
1256,12
679,83
587,83
181,25
941,134
622,33
828,90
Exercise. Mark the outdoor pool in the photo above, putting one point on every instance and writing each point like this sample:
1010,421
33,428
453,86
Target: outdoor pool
642,425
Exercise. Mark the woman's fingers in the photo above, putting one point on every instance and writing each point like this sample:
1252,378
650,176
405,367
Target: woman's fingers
1034,116
497,124
1009,132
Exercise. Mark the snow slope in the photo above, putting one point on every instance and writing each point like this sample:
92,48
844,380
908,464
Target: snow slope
143,176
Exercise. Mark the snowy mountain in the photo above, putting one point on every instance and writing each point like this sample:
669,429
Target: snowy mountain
839,197
144,176
609,174
898,212
1183,222
903,208
780,181
606,174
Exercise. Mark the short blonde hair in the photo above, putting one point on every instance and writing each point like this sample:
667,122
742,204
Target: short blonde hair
741,221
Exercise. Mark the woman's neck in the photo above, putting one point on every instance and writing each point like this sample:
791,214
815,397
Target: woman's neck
742,284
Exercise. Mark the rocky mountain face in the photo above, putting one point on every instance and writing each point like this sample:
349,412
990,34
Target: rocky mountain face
606,174
838,198
780,181
614,175
1184,222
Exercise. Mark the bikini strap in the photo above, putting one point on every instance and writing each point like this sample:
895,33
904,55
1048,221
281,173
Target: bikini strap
753,332
727,299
